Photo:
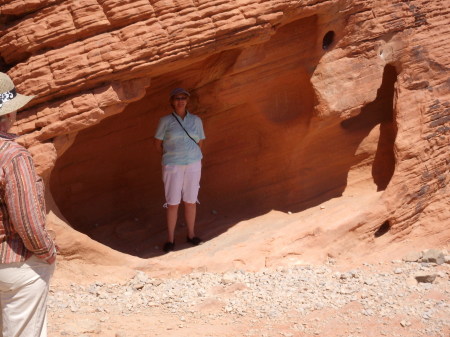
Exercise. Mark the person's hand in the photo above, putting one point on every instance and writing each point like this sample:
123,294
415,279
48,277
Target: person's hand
51,259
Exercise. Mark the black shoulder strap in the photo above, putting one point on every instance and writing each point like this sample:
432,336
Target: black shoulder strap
184,128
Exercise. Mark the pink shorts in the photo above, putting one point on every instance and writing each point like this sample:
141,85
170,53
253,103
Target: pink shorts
182,181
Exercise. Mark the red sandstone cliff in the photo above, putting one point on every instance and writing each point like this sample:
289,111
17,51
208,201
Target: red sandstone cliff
333,114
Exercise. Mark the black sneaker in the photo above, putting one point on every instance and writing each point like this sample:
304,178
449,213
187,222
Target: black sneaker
169,247
195,240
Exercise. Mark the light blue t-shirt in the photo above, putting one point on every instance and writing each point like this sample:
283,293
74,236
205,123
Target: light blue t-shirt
178,148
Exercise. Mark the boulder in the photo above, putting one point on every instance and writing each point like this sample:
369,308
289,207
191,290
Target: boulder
434,256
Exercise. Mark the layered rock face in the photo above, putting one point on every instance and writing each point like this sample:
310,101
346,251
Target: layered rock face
302,102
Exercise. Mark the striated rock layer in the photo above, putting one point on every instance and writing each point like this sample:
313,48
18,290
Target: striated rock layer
335,114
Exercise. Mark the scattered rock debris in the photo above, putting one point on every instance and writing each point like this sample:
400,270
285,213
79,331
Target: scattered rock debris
410,296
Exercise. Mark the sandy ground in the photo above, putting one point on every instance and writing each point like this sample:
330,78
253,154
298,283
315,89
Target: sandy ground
317,246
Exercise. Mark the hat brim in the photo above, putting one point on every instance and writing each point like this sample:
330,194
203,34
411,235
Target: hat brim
179,92
15,104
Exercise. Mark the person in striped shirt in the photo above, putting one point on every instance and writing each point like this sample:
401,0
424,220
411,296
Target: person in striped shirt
27,252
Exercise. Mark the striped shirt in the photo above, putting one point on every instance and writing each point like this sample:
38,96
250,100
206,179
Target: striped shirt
22,206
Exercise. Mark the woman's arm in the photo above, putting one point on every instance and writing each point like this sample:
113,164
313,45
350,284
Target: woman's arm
158,145
200,144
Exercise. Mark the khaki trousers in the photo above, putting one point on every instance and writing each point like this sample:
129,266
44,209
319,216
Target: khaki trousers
23,298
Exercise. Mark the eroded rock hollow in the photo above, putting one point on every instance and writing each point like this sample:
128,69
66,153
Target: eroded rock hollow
303,103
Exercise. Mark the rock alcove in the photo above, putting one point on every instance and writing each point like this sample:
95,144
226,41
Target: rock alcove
266,147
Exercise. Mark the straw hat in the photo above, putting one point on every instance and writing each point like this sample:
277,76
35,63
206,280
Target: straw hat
10,100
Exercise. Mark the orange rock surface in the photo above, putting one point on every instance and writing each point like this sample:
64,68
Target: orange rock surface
327,123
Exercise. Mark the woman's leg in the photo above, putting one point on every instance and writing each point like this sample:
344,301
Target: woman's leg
190,211
173,183
172,215
191,186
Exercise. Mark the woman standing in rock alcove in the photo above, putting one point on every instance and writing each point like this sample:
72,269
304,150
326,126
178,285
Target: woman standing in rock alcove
179,138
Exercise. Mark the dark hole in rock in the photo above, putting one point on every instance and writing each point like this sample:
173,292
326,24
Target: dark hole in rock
4,67
384,228
328,40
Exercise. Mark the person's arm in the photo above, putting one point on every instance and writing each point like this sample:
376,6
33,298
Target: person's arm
201,133
158,145
159,136
200,144
24,199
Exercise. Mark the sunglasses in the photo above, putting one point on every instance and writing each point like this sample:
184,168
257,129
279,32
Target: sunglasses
183,98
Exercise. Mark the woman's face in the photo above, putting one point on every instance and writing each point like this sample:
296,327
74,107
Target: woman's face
7,121
179,102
